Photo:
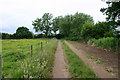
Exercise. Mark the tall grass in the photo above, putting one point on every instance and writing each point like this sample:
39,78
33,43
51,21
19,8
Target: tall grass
76,66
17,62
108,43
40,65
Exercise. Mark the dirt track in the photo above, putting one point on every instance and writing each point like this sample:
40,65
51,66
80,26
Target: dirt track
59,70
97,68
110,58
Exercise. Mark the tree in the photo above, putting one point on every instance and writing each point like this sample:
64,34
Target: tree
87,31
64,25
23,32
78,20
101,28
70,25
55,24
112,12
43,24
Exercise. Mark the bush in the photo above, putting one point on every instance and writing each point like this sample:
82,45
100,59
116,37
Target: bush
108,43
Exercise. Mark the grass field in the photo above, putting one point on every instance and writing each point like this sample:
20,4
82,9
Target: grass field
17,62
76,66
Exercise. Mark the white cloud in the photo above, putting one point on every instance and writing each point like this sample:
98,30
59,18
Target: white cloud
15,13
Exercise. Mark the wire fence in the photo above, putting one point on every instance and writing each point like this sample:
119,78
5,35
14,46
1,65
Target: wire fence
30,49
41,45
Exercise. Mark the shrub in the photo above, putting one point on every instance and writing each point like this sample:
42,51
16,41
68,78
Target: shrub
108,43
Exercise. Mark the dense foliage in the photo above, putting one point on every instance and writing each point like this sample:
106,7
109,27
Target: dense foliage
112,12
87,31
79,26
6,36
43,24
108,43
21,33
105,33
70,25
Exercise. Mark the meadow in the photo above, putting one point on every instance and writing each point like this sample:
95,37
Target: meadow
18,63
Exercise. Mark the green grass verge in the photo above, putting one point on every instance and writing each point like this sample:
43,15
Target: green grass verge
97,60
77,47
76,66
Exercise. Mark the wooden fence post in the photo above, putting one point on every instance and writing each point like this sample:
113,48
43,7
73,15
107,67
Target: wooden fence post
0,67
41,45
31,50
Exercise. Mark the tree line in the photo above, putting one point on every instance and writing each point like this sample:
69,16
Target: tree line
78,26
21,33
81,26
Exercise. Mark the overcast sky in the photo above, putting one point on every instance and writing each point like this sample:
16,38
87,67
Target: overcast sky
17,13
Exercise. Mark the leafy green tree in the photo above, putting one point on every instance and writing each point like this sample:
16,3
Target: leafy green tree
37,25
43,24
55,24
65,25
101,29
87,31
70,25
23,32
78,20
112,12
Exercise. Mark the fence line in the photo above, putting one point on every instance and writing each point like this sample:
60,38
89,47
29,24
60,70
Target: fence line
31,54
30,48
41,46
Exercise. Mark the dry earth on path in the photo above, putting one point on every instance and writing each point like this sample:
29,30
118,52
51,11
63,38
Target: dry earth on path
59,69
97,68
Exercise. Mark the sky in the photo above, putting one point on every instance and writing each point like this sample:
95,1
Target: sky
17,13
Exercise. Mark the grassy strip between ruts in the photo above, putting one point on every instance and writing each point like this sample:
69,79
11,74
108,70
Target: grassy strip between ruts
76,66
77,47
